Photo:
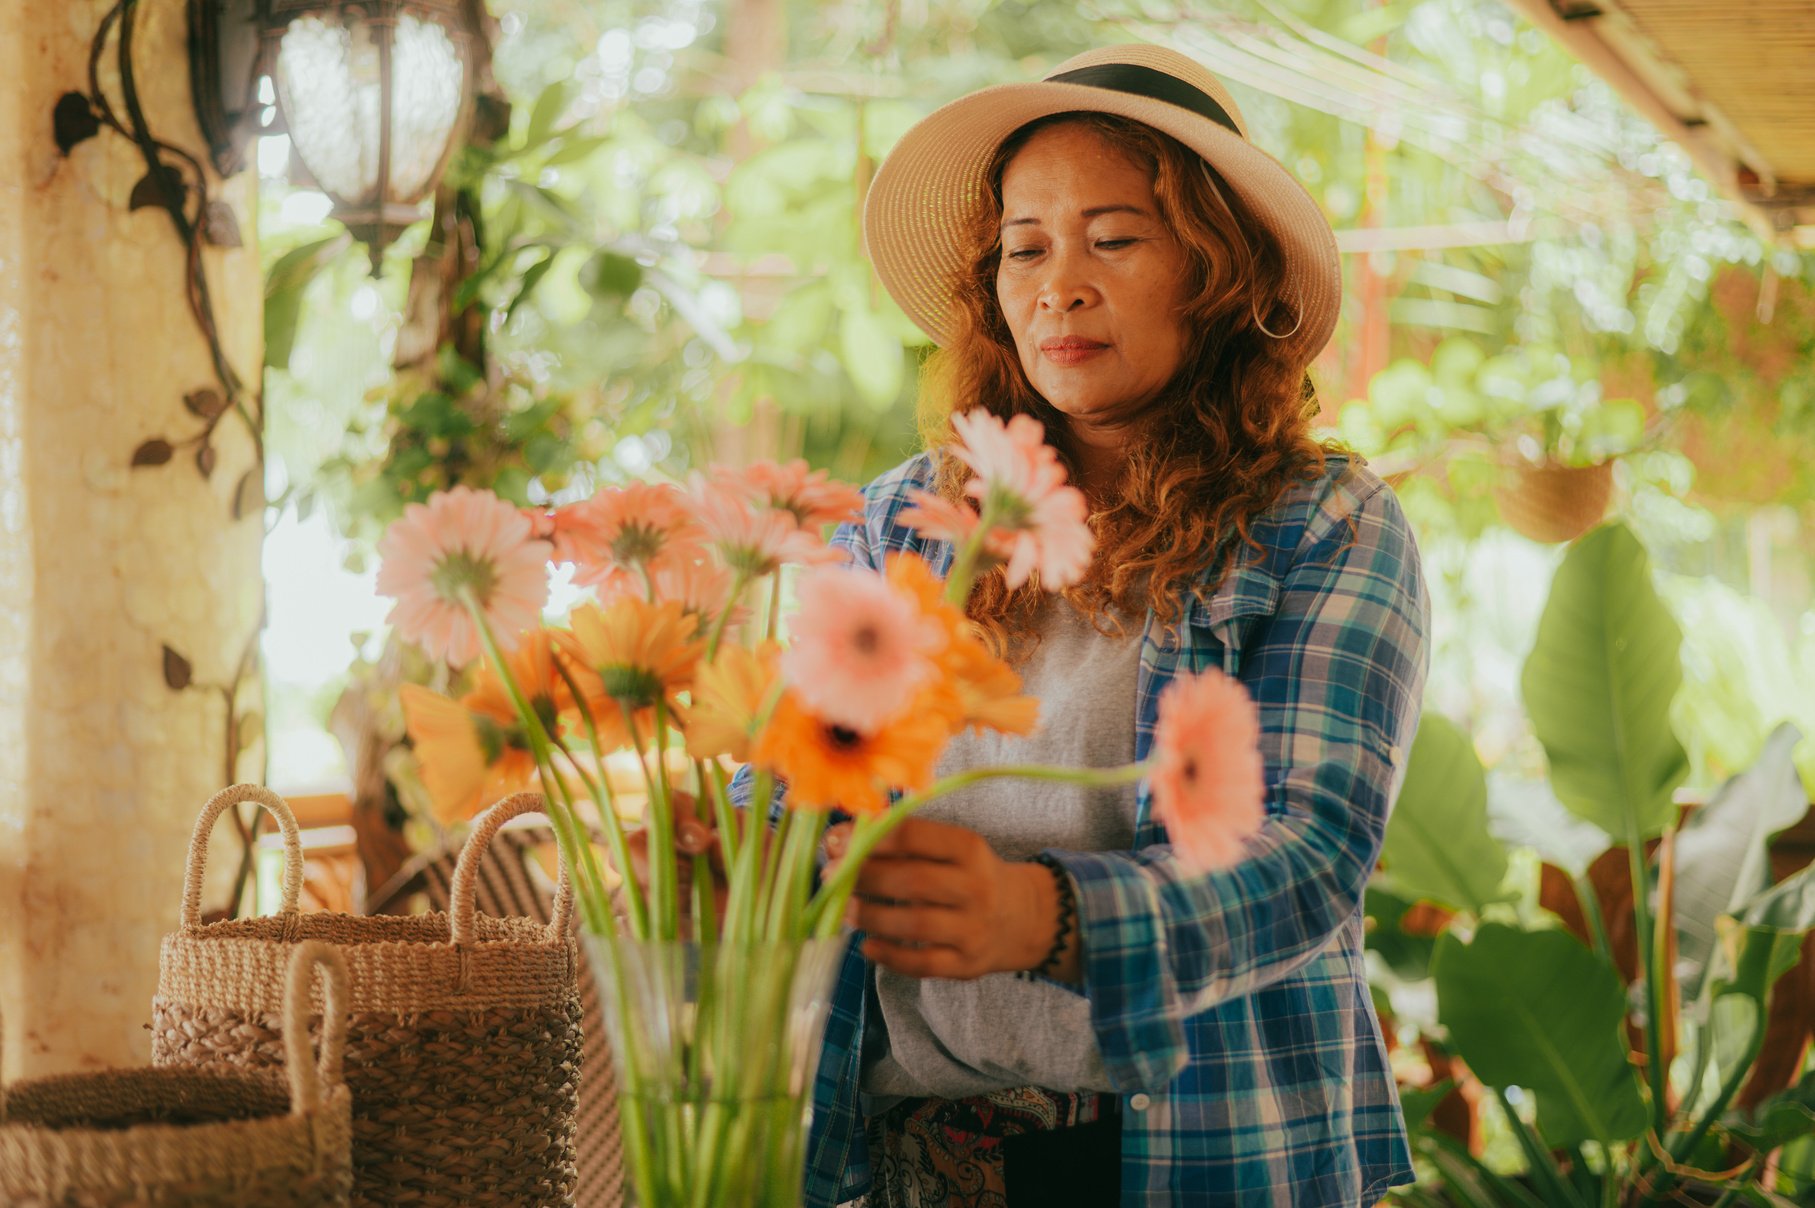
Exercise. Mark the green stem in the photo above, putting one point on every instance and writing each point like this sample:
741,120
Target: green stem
609,818
1656,1076
1685,1146
1591,912
1551,1185
741,581
773,623
658,827
827,907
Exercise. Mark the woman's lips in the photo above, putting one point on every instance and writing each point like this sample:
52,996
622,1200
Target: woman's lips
1071,350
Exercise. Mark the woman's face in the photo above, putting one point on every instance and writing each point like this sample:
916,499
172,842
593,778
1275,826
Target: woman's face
1092,281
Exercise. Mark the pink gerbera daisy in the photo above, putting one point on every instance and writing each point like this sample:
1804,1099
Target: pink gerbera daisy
940,519
811,496
1037,522
1209,783
462,550
623,533
753,541
861,648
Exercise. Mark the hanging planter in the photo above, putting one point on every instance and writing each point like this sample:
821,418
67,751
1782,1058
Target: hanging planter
1552,503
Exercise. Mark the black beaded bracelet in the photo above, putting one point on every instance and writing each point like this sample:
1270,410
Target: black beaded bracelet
1068,917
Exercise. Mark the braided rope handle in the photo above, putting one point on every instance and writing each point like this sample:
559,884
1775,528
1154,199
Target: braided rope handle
197,864
307,1075
466,869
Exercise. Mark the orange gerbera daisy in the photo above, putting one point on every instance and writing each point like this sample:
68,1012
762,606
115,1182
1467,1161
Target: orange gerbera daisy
470,752
974,688
730,696
628,656
828,765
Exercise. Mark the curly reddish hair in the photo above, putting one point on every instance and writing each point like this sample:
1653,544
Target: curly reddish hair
1228,435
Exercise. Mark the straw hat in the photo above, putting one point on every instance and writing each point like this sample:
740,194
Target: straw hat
927,187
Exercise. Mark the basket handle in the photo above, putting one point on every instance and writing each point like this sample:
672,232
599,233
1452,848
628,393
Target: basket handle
466,870
307,1076
218,804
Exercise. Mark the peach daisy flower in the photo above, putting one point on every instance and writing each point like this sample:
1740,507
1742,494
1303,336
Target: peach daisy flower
860,647
630,655
813,497
939,519
751,541
1037,522
621,533
702,589
462,550
731,696
1209,782
828,765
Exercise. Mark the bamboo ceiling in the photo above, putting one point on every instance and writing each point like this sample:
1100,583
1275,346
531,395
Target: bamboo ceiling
1733,82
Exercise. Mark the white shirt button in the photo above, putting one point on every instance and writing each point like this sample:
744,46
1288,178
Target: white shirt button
1140,1103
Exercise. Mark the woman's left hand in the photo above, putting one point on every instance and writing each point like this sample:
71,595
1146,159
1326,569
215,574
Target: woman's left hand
937,902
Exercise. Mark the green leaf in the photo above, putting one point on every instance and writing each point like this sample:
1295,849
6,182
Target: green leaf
1418,1102
575,147
1721,856
547,111
1780,1119
1437,845
1598,685
456,371
1788,906
532,277
610,275
284,287
1539,1010
871,355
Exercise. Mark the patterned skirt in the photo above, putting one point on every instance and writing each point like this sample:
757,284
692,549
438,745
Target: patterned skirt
995,1151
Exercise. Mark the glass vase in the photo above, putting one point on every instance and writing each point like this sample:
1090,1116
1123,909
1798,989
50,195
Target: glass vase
715,1049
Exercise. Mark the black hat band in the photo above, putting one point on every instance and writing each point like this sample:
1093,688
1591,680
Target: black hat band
1154,85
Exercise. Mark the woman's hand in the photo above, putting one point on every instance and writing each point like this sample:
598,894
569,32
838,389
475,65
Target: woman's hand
937,902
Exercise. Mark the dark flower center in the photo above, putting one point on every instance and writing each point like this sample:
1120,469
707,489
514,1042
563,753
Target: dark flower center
459,572
867,640
842,738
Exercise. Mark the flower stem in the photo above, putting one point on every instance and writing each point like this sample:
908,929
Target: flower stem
658,827
826,911
773,623
609,818
738,583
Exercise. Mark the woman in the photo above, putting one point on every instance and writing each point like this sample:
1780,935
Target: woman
1052,1010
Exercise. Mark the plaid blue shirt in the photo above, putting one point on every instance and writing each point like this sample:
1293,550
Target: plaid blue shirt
1232,1008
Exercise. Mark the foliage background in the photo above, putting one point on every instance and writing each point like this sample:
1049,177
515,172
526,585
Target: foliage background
674,272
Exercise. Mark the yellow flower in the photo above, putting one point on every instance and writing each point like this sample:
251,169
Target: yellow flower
630,656
730,696
470,757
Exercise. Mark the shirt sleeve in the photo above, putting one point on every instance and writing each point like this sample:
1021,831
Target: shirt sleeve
1337,673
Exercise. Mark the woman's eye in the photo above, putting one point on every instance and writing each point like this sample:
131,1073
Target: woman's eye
1113,244
1024,253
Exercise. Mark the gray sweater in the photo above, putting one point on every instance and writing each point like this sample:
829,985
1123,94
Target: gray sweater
948,1039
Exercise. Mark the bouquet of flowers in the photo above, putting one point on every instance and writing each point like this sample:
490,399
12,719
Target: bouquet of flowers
715,983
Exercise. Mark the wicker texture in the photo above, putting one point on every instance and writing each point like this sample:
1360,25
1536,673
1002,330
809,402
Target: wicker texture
506,887
463,1045
195,1137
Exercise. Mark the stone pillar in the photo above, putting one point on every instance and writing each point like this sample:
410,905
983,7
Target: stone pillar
129,595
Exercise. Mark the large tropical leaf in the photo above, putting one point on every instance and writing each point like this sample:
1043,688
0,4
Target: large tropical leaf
1538,1009
1437,845
1598,685
1722,861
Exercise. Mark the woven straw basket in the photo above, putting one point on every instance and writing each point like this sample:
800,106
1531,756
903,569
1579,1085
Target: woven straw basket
159,1138
463,1046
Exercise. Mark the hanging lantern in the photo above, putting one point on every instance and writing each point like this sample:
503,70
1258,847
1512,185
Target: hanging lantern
373,94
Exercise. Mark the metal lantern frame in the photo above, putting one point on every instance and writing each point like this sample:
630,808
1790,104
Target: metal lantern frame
234,43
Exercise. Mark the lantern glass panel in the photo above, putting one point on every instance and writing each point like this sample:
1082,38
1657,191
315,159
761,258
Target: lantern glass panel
328,83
